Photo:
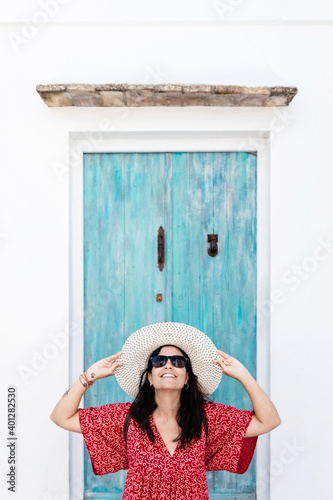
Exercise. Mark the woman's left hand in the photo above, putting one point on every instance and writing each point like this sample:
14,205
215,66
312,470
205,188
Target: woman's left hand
230,366
265,417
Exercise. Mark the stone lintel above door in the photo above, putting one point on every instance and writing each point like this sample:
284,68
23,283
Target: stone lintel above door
167,94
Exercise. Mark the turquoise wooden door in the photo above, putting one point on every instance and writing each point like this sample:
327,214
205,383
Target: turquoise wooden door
127,197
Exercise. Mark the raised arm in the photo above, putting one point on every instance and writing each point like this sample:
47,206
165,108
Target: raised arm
66,411
266,417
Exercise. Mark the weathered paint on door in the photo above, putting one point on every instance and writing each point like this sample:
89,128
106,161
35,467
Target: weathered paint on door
127,197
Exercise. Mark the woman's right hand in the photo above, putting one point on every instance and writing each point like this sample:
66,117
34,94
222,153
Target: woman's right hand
104,367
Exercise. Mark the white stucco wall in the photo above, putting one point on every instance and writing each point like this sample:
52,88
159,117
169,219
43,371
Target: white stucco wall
254,43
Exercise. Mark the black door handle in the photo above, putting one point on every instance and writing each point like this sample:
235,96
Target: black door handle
160,248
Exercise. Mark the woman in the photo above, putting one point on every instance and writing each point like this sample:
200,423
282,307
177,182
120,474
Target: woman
170,435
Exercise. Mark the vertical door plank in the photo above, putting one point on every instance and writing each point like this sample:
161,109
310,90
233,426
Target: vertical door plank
144,214
192,221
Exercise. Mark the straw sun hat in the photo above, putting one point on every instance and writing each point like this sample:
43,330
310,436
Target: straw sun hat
139,346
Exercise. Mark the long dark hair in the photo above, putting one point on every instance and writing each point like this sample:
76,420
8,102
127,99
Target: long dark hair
190,417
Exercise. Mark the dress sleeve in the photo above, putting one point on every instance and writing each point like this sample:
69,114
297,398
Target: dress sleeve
226,447
102,429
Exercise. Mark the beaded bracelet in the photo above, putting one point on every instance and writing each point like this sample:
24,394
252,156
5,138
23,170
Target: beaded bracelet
86,383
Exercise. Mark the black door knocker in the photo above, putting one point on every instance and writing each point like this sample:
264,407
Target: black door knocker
213,249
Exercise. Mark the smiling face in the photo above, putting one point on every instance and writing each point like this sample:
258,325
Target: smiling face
168,377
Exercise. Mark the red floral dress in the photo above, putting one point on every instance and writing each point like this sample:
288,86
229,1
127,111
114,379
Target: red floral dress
154,474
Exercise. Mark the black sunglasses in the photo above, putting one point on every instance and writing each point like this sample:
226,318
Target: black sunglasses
177,361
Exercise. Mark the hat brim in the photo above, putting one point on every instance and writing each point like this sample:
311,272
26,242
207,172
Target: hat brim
197,345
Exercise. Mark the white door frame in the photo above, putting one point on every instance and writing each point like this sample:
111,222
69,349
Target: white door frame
167,141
